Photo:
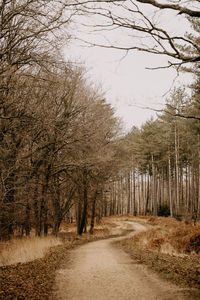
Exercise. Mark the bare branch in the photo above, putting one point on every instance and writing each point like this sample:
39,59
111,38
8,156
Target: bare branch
176,7
144,35
184,116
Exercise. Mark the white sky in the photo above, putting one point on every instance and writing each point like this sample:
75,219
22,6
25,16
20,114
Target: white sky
126,81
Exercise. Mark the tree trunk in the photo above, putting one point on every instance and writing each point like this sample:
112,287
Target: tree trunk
154,194
36,208
44,208
177,171
147,194
128,193
27,223
134,195
122,196
83,223
170,187
93,212
198,199
7,210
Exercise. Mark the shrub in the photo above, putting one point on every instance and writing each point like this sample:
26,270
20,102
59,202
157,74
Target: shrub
164,211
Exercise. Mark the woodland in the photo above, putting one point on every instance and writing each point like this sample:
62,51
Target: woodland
63,154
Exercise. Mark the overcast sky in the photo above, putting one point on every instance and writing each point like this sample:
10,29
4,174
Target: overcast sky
126,81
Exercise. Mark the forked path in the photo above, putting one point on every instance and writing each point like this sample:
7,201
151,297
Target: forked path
101,271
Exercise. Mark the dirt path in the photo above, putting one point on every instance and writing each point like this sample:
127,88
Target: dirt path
101,271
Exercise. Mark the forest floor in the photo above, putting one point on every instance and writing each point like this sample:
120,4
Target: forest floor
108,272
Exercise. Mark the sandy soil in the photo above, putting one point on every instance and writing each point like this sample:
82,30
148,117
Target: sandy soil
101,271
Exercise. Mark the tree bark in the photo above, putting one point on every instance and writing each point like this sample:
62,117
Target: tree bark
170,187
93,212
85,203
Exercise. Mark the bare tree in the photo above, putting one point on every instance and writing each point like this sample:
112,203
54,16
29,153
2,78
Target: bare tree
94,151
30,40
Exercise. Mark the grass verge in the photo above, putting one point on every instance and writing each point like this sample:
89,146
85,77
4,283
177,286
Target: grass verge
26,249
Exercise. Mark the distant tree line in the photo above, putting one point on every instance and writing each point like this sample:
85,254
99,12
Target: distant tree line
161,170
162,175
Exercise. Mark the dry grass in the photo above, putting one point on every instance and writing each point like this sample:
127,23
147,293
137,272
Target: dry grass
171,248
170,236
162,221
35,279
25,249
185,238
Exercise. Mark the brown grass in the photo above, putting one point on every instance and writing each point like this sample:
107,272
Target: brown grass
179,237
35,279
170,248
169,236
26,249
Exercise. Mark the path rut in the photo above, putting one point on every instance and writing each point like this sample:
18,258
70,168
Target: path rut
101,271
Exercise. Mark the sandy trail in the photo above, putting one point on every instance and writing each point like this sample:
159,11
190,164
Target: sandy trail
101,271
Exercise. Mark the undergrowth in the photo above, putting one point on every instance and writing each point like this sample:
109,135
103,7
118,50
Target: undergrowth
170,248
169,233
